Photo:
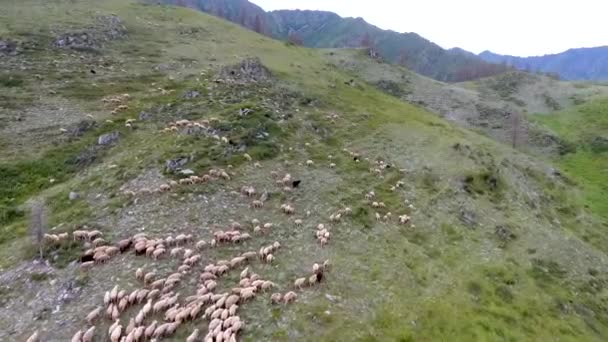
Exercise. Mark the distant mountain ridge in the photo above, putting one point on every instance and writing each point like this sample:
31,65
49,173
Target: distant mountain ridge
328,30
573,64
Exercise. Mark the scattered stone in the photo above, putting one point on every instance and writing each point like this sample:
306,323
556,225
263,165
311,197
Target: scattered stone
504,234
8,48
250,70
73,196
81,127
106,28
245,111
192,94
468,218
108,138
187,172
144,116
174,165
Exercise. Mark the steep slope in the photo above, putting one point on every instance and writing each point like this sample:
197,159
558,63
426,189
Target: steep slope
498,247
484,105
328,30
574,64
585,129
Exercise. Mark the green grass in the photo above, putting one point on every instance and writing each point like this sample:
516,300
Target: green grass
585,127
437,281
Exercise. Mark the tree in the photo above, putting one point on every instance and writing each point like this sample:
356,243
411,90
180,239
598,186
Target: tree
38,224
243,17
294,38
258,25
366,40
518,129
402,58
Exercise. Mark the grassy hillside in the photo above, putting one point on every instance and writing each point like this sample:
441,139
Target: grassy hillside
585,128
320,29
499,247
483,105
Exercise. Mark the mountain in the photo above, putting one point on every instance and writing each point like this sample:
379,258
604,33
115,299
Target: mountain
573,64
134,134
328,30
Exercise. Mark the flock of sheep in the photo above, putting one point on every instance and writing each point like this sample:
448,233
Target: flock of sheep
157,310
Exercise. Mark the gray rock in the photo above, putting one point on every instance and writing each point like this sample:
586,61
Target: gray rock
108,138
468,218
191,94
174,165
144,116
73,196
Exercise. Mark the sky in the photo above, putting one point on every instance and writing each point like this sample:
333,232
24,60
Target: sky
512,27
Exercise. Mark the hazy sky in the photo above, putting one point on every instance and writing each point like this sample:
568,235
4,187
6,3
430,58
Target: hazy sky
515,27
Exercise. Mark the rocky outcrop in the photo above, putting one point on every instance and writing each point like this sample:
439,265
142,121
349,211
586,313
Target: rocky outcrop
106,28
250,70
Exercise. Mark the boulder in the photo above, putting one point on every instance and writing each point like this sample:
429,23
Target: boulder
173,165
108,138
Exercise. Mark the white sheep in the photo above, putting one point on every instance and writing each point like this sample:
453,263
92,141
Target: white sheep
289,297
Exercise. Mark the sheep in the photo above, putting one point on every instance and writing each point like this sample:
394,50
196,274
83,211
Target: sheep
225,176
116,333
332,165
298,222
35,337
404,219
85,266
93,315
309,163
269,258
88,335
289,297
299,283
287,209
165,188
247,157
313,279
150,329
194,337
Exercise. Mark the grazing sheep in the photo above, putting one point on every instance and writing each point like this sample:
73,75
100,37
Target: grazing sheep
269,258
299,283
332,165
309,163
194,337
313,279
257,204
298,222
35,337
247,157
93,315
289,297
85,266
116,333
404,219
88,335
